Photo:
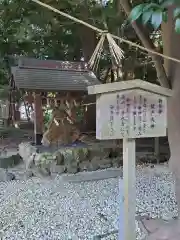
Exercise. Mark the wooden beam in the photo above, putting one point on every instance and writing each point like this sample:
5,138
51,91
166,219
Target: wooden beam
38,118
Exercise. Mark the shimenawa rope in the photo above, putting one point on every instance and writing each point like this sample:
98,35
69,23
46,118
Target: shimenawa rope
105,31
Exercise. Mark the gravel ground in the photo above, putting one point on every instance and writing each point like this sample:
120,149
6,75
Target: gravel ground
52,209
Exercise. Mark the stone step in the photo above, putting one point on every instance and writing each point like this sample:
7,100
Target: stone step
93,176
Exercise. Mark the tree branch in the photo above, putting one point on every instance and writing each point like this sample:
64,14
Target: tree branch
146,41
87,35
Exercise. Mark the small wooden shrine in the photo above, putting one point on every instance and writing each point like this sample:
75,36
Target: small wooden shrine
67,81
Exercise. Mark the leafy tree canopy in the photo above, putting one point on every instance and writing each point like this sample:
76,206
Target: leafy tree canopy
155,12
31,30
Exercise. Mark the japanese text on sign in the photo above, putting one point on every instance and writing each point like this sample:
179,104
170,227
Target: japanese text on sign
132,114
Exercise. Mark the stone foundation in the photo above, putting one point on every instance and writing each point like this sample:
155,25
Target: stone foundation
46,161
66,160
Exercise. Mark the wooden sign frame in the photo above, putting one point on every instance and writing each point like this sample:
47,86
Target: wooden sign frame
103,91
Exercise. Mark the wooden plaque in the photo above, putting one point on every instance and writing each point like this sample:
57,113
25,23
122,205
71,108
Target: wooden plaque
130,114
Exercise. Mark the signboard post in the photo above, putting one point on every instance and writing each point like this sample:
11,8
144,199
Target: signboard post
128,110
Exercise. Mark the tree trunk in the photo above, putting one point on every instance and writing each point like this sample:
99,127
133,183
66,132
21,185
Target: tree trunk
171,74
174,136
88,39
171,47
87,35
146,41
88,42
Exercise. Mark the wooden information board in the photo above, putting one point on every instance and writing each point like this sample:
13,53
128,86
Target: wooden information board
129,110
130,114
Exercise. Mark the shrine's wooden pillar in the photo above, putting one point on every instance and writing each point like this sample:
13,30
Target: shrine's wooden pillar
38,118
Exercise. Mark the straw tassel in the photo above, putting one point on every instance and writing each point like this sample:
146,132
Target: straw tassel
94,60
115,51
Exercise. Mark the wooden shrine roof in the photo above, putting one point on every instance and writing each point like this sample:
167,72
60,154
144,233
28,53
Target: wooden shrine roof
34,74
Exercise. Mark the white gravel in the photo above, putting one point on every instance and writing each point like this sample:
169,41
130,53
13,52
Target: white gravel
54,210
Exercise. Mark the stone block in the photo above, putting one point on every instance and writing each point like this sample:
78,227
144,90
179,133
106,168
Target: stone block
26,150
68,155
98,152
39,172
6,176
80,154
96,159
59,158
10,161
105,166
28,174
71,169
105,163
85,166
44,172
59,169
102,163
99,163
117,162
94,166
74,154
44,160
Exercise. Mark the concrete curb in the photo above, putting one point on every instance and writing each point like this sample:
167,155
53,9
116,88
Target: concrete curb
93,176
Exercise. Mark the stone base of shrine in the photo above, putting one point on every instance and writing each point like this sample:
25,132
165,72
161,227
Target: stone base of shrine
72,159
76,158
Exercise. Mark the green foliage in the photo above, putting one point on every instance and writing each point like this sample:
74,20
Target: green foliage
80,114
137,12
177,12
31,30
47,117
177,25
155,13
